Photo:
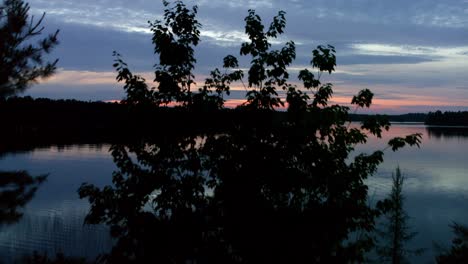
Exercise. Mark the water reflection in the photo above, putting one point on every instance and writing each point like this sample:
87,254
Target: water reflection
436,186
52,221
439,133
17,188
435,189
54,230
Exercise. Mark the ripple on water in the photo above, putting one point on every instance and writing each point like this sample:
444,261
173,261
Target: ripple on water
54,230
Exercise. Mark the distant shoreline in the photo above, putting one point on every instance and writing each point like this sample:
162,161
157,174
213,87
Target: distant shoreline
21,114
28,123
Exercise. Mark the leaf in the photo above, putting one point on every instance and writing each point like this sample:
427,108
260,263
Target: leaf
376,124
230,62
363,98
308,79
396,143
322,96
324,58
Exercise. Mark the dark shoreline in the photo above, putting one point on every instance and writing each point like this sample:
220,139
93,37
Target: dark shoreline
35,122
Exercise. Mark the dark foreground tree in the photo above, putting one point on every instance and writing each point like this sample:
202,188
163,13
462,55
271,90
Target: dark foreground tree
21,50
264,187
21,63
396,231
458,253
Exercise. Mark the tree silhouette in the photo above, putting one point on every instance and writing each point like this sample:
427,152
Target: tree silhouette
458,253
262,186
21,61
267,70
174,40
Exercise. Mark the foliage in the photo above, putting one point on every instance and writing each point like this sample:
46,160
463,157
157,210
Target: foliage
135,86
21,61
458,253
263,187
396,230
267,70
174,40
210,96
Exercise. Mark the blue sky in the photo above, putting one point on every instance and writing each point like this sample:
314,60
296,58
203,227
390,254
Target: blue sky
412,54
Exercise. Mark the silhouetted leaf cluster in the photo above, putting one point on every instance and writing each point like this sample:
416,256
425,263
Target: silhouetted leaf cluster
174,39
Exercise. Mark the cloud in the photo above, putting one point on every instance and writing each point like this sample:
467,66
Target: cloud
85,78
224,38
84,47
239,4
410,50
379,59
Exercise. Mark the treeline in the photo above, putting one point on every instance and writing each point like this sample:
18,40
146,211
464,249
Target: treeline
412,117
28,123
95,121
447,118
45,121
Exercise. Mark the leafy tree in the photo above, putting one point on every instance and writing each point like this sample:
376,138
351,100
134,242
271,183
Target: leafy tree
210,96
21,61
267,68
135,86
396,231
263,186
176,51
174,40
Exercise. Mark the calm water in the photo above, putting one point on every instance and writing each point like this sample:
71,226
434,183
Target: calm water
436,191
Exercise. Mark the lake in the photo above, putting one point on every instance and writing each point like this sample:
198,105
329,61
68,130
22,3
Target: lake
436,191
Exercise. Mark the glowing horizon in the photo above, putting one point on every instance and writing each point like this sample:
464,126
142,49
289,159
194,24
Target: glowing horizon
406,102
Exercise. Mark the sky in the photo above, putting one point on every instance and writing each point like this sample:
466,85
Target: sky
412,54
